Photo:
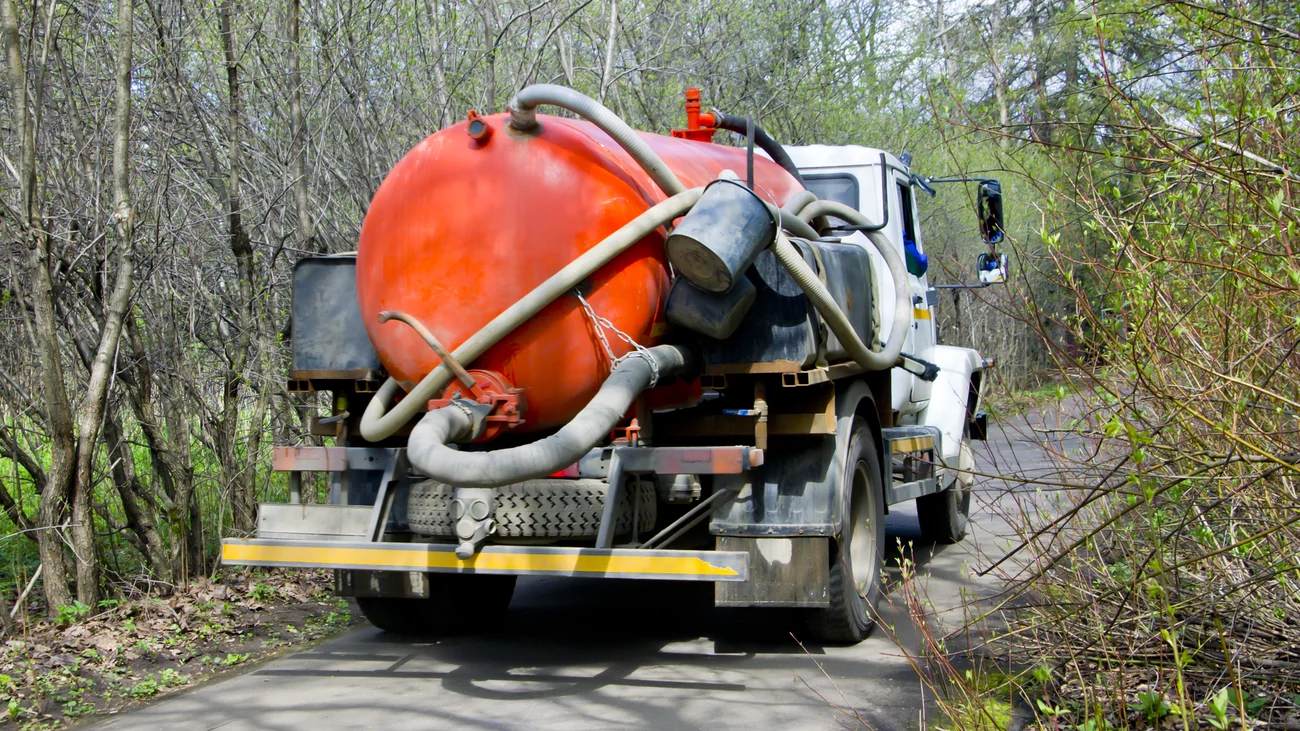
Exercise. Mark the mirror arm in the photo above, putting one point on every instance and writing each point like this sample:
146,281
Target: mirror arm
980,285
960,180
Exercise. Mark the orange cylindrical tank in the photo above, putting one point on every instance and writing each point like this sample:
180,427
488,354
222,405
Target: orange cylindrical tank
465,225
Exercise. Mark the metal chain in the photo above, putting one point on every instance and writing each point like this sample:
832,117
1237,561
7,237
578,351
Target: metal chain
638,350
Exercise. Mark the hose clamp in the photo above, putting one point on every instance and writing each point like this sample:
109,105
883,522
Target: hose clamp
522,119
477,413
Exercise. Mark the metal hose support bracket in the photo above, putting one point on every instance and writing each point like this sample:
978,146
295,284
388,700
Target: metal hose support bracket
523,117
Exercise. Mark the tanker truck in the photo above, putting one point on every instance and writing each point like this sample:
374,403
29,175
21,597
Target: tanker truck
567,348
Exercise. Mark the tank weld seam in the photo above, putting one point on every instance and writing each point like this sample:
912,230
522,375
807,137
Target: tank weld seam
601,324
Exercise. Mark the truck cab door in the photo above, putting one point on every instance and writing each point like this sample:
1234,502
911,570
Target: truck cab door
922,337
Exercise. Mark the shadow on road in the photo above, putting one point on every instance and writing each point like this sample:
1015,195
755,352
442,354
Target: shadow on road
566,637
601,654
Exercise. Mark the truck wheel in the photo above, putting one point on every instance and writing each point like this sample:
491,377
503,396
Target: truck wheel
945,515
858,556
458,603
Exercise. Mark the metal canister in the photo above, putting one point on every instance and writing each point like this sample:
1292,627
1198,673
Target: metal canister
718,240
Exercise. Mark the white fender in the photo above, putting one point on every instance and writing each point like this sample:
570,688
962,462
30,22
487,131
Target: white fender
947,407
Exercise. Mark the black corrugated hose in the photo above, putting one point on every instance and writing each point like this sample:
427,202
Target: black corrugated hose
774,150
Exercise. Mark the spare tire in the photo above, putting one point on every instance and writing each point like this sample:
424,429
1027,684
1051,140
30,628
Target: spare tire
538,508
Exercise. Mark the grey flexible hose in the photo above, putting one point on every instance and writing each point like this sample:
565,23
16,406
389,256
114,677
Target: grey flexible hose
795,204
523,117
897,269
429,452
835,319
793,224
379,423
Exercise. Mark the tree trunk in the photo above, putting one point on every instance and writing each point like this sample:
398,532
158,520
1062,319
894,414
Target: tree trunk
298,148
941,20
91,411
12,450
490,63
610,43
1000,76
169,443
53,512
140,517
234,474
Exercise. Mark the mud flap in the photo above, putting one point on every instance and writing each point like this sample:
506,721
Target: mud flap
783,572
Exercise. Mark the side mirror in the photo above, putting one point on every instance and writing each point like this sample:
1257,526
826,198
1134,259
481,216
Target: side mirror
991,268
989,209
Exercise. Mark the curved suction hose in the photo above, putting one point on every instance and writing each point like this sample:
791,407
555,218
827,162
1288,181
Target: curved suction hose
429,452
795,204
793,224
523,117
378,422
856,218
830,311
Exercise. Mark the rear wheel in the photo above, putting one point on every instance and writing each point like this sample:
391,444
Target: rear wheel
857,558
945,515
457,603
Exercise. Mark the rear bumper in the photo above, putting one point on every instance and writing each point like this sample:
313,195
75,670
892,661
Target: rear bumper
617,563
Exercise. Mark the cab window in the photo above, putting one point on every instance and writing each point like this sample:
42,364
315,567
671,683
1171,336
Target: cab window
917,261
909,224
838,187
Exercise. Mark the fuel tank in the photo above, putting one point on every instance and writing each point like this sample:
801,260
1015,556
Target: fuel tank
464,226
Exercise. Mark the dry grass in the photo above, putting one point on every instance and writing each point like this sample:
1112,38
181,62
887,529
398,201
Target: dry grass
1164,590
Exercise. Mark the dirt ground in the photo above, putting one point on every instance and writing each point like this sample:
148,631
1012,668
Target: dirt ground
53,674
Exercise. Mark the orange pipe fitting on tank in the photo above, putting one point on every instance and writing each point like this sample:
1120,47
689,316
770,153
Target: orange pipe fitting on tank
699,125
507,402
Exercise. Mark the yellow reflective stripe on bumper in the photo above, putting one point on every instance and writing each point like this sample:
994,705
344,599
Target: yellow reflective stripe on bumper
911,444
516,561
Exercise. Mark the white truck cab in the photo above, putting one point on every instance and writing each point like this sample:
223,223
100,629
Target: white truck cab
884,188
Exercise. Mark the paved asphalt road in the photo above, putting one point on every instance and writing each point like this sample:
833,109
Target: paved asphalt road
580,654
